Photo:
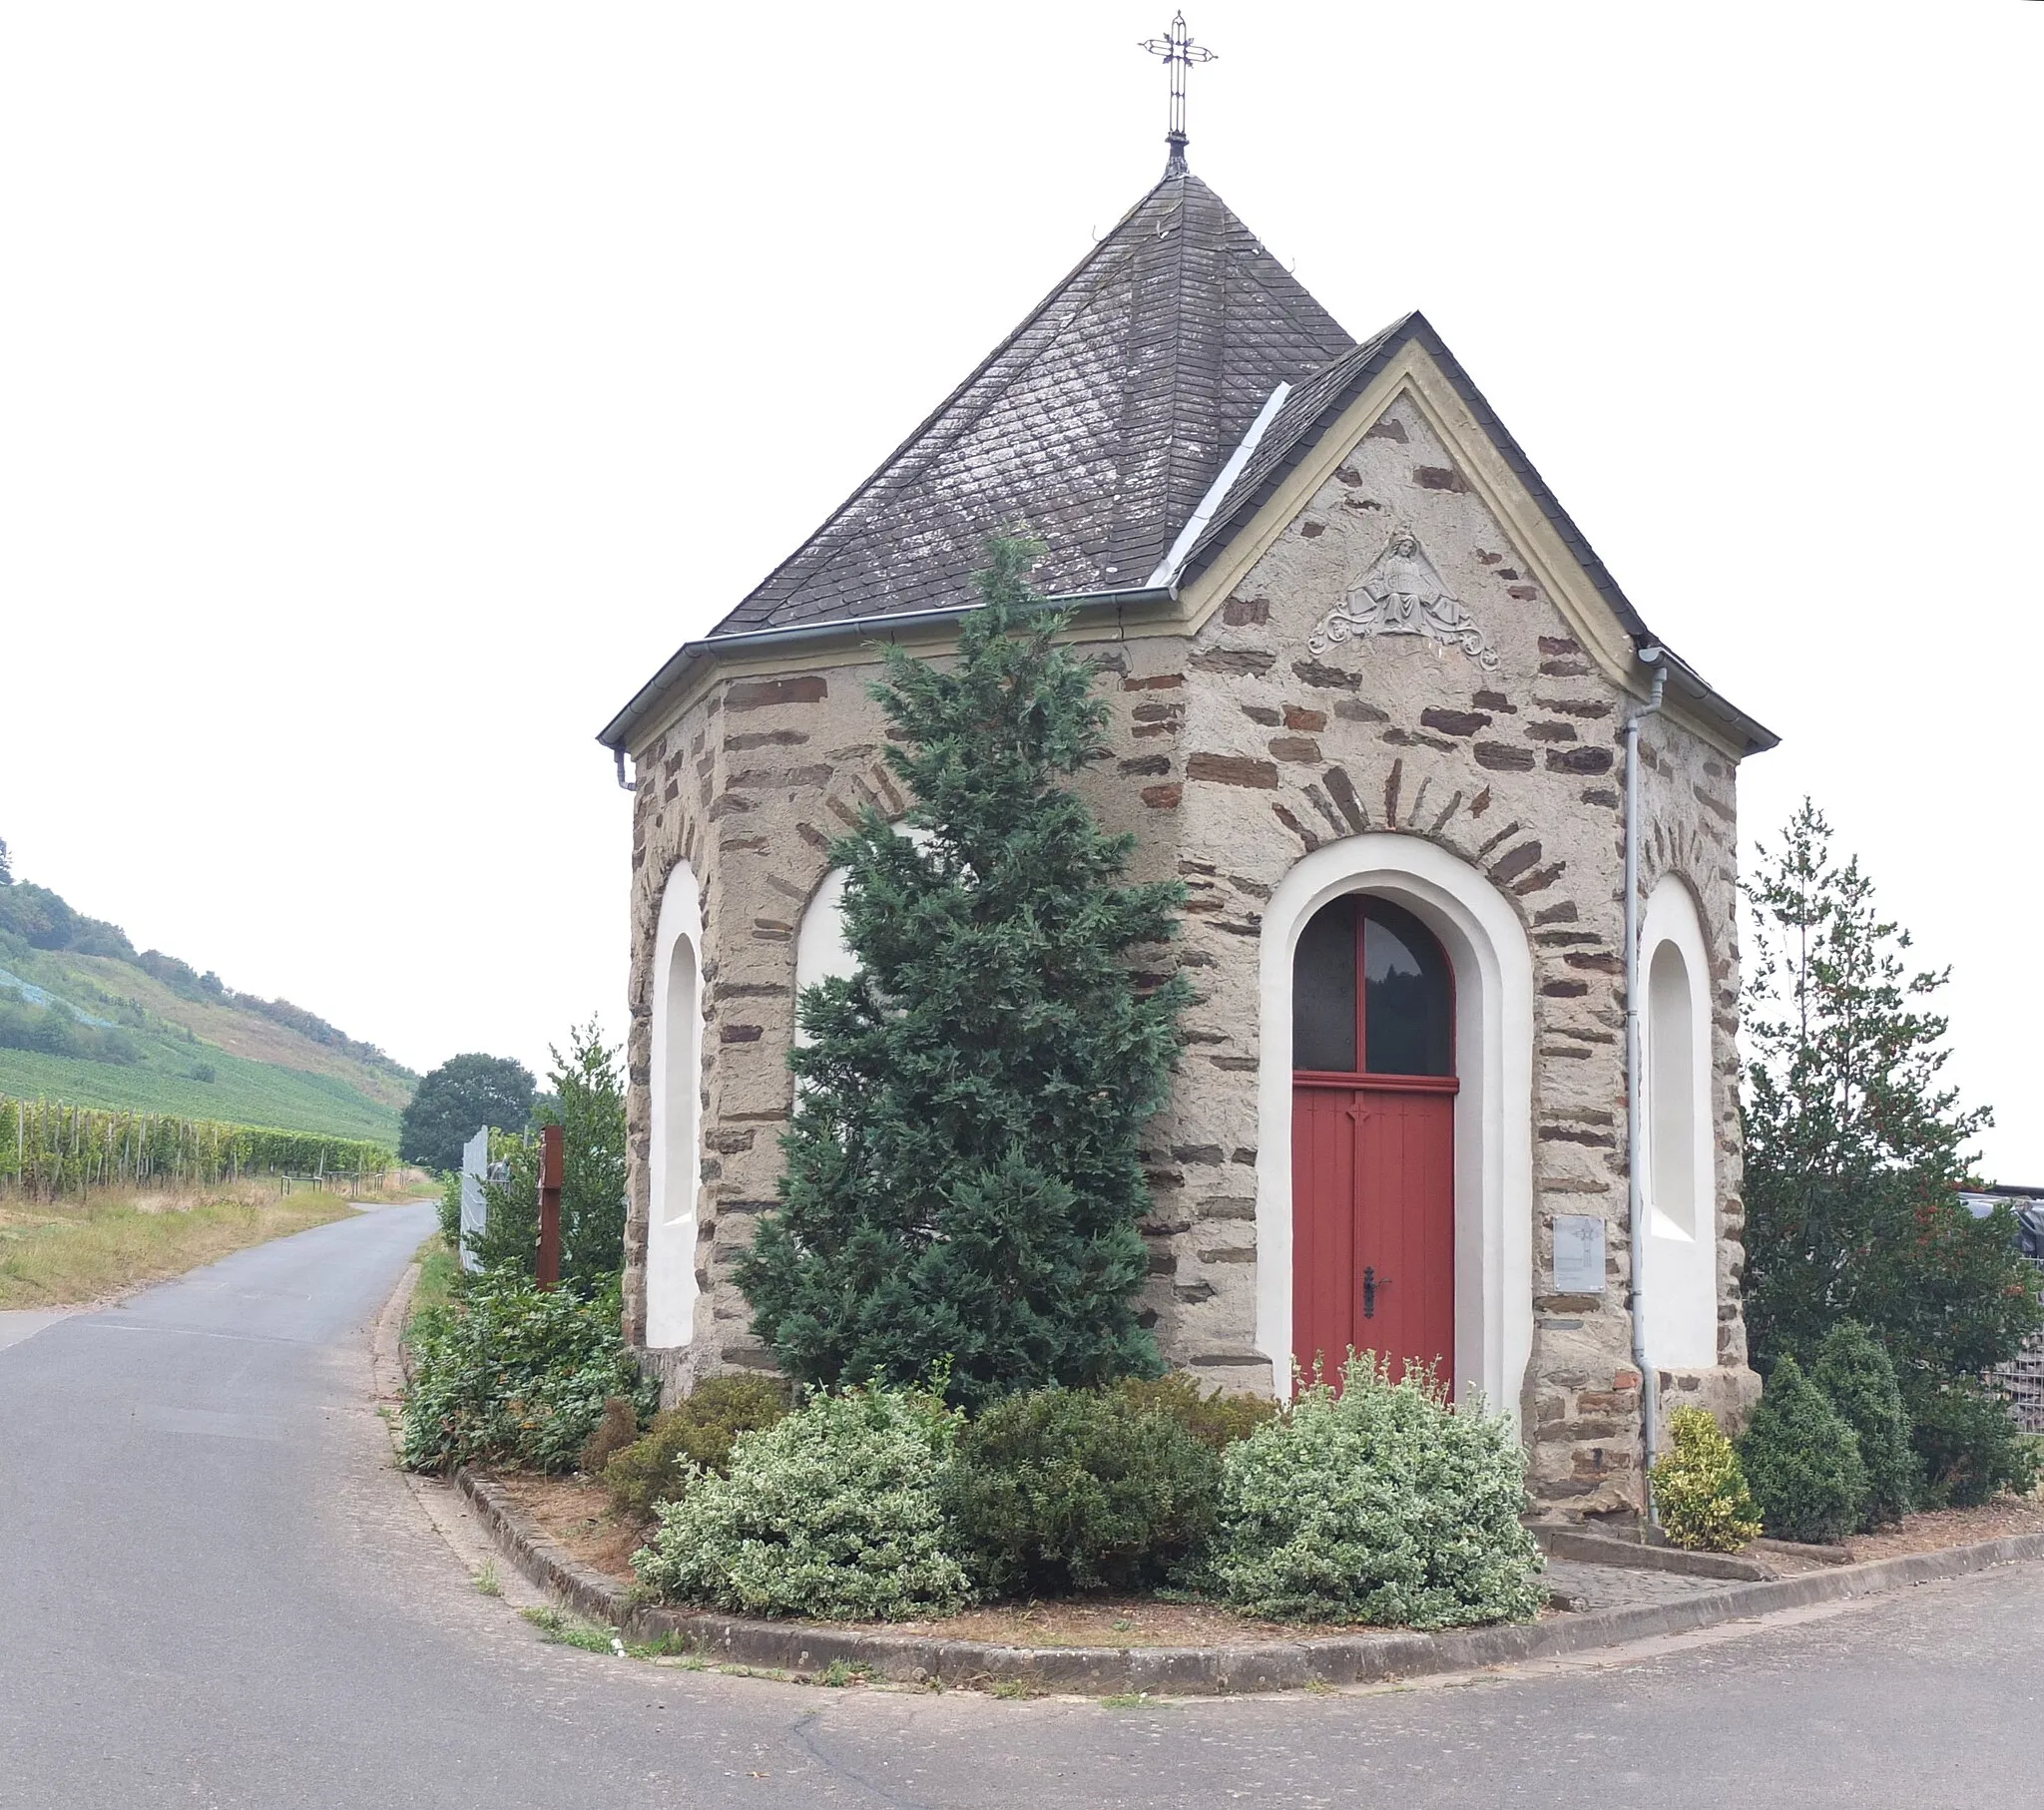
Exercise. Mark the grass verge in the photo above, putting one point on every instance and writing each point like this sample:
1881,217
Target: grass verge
65,1254
437,1272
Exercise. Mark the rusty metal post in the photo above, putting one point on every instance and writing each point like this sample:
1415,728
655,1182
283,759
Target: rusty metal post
550,1207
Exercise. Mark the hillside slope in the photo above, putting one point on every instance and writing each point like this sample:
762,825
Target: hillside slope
85,1017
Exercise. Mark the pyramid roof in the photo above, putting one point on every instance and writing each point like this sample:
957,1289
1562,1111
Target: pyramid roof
1100,422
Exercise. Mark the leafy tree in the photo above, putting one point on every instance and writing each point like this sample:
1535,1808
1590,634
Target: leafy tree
962,1177
1855,1150
458,1098
41,919
6,864
589,1095
588,1104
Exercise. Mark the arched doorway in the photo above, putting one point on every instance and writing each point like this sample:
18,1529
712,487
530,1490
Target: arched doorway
1372,1138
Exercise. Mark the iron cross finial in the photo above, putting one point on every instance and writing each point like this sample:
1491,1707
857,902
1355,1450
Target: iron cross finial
1180,53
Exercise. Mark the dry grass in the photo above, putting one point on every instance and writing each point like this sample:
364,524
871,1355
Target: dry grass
577,1511
1935,1529
68,1253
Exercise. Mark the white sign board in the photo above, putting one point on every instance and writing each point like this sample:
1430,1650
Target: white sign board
475,1164
1577,1255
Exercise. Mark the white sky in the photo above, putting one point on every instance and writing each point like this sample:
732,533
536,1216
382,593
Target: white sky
385,390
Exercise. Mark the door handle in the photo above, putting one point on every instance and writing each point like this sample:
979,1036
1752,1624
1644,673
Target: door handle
1369,1293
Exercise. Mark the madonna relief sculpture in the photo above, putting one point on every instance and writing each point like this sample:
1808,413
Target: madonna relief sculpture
1401,593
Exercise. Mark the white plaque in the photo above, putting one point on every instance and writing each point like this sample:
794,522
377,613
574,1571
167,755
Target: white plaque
475,1212
1577,1255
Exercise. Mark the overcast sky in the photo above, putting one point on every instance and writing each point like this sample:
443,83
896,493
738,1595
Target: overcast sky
385,390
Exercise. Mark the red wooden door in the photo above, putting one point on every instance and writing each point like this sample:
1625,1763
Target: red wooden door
1374,1224
1372,1162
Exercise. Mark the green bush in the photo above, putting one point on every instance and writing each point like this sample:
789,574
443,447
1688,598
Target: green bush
511,1373
1802,1461
616,1428
1216,1420
690,1439
1065,1490
1853,1370
834,1512
1700,1492
1970,1448
1378,1504
450,1209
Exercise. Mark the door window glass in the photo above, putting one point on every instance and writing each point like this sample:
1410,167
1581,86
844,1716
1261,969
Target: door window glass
1408,1005
1323,990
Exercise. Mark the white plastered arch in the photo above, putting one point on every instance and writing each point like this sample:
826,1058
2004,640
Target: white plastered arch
1493,1111
820,951
675,1164
1680,1166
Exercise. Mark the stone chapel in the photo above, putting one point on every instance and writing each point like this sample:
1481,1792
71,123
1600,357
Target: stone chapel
1446,807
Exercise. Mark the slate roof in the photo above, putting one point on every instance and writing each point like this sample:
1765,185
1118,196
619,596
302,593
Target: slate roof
1101,422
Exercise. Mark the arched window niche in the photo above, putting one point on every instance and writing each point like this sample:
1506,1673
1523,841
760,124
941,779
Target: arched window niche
675,1153
820,951
1492,1053
1680,1165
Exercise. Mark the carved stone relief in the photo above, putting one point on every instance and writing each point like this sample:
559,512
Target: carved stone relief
1401,593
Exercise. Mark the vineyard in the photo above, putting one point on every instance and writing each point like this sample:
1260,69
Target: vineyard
49,1149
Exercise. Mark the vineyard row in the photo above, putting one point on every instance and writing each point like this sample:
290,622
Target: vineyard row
48,1149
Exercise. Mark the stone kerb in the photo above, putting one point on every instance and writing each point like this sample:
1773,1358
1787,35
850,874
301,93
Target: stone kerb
804,1649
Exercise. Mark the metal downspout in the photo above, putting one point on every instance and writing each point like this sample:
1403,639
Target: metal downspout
1636,1193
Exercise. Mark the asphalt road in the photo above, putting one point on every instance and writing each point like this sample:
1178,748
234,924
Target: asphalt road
214,1590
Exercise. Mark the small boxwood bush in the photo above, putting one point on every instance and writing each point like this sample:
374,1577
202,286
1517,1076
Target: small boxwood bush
1802,1461
834,1511
514,1374
1064,1490
1971,1447
692,1438
1214,1418
1700,1492
1380,1503
1854,1372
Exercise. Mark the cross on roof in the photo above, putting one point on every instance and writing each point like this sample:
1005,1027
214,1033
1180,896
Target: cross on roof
1180,53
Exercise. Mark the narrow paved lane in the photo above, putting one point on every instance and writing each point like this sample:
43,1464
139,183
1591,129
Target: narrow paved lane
214,1590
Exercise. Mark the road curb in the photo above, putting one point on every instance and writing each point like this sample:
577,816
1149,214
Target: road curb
1362,1658
389,1363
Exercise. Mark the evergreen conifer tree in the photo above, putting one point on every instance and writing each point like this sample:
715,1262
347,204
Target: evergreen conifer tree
963,1183
1855,1151
1802,1461
1853,1371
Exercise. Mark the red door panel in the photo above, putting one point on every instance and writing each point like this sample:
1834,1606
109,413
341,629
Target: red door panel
1405,1229
1323,1264
1373,1226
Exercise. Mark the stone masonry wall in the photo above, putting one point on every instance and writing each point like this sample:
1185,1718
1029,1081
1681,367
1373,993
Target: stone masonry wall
1230,757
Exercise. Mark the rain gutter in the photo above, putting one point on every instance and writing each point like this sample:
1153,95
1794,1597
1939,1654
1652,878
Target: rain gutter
882,625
